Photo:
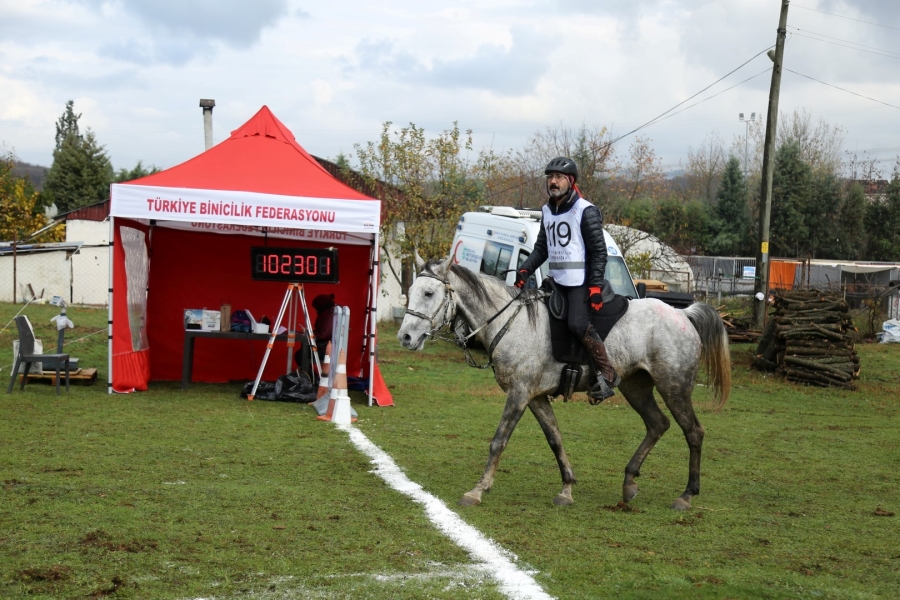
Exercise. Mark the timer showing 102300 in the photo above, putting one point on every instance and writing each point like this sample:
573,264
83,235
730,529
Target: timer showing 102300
295,265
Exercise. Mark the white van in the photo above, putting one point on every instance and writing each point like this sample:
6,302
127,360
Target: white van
500,238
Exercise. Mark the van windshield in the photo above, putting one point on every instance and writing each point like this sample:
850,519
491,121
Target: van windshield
617,274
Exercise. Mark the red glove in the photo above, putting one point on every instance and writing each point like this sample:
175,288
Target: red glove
521,278
595,298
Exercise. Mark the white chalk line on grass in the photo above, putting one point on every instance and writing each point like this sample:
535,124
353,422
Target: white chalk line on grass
499,562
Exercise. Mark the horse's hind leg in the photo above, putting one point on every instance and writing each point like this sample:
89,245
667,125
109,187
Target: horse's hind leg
638,390
678,399
543,412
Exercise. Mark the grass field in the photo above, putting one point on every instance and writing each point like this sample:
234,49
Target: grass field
190,494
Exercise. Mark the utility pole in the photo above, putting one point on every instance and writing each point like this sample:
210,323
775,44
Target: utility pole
761,292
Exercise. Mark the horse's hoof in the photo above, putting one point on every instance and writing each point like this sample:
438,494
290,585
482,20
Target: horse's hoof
469,500
681,504
629,492
563,500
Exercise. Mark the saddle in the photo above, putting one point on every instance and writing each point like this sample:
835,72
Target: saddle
566,347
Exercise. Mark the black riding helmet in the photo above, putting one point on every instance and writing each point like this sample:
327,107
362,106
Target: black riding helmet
563,165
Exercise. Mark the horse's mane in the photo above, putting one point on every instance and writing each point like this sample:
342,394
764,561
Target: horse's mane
485,288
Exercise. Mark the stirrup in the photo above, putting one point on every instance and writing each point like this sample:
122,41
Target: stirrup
600,391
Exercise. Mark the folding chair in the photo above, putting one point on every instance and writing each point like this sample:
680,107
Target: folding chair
27,356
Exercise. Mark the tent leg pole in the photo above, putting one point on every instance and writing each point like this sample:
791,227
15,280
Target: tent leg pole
373,314
109,341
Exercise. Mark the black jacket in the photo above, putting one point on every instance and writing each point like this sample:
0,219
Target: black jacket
591,232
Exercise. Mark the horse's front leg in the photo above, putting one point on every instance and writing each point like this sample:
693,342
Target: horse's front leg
543,412
512,412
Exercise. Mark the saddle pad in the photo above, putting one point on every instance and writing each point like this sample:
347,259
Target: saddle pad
567,349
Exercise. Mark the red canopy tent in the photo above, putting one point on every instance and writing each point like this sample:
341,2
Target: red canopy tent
182,239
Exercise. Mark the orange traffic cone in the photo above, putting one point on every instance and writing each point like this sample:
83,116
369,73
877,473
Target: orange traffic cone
326,364
324,390
339,409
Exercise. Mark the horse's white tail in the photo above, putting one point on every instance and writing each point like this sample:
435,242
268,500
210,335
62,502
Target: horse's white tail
714,348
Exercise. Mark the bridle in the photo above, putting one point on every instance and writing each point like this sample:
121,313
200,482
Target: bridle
447,305
449,308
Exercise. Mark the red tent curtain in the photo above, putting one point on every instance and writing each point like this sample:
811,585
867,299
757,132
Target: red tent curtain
130,367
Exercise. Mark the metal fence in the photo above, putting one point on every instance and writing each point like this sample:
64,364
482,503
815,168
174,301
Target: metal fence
873,286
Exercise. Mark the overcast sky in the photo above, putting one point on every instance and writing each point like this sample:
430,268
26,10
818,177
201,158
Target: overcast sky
333,72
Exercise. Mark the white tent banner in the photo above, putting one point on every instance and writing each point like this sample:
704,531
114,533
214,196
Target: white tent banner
243,208
283,233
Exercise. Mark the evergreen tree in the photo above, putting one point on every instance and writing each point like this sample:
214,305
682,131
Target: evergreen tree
682,225
883,223
731,231
792,189
851,225
137,172
821,216
67,124
80,174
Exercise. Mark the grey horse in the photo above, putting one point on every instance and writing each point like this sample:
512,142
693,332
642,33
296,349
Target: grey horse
654,344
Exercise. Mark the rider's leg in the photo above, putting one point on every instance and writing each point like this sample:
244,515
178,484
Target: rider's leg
579,322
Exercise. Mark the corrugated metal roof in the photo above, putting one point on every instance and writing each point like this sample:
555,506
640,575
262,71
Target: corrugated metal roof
93,212
70,247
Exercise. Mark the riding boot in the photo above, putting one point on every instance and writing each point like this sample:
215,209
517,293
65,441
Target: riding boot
601,368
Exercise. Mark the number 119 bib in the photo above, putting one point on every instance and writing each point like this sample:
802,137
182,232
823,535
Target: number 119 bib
565,246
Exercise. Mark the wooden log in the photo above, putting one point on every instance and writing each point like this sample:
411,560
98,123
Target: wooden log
825,306
840,360
830,332
817,383
825,352
813,375
815,335
832,327
819,368
826,319
821,344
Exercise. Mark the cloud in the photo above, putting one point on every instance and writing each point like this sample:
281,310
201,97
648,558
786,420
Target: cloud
512,71
236,23
174,32
174,52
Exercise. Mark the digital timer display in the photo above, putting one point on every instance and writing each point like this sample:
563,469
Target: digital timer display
295,265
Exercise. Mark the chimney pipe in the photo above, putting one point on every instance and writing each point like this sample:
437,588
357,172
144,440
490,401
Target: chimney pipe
207,106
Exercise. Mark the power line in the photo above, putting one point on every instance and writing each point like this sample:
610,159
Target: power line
848,18
895,57
659,118
842,89
716,94
654,120
846,41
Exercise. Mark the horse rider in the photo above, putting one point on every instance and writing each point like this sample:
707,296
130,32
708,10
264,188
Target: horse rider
571,236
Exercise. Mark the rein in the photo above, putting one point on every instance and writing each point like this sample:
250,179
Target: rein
450,314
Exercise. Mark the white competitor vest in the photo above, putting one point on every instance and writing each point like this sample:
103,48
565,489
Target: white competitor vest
566,256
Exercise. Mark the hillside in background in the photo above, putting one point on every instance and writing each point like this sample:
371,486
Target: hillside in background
33,173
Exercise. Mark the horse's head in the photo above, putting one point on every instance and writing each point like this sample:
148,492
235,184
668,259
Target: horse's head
429,308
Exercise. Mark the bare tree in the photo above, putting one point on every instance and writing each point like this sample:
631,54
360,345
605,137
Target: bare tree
637,177
704,169
820,143
519,179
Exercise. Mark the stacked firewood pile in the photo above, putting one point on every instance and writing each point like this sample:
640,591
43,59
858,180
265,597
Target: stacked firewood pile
807,340
739,329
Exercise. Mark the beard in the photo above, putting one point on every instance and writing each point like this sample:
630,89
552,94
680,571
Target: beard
557,193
